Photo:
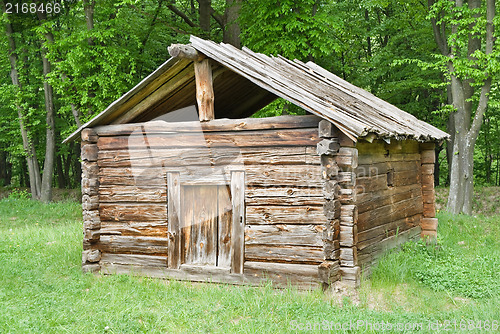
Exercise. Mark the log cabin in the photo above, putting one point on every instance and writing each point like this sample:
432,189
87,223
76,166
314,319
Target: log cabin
180,182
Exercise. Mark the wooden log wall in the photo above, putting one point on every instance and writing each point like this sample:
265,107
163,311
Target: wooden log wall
90,202
389,197
285,228
429,223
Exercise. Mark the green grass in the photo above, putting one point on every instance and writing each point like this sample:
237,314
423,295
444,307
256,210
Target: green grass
44,291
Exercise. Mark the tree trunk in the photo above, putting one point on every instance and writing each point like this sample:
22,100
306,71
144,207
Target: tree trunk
29,149
205,7
232,28
50,141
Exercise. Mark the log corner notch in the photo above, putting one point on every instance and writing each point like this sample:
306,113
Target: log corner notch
338,163
428,223
203,78
90,202
327,148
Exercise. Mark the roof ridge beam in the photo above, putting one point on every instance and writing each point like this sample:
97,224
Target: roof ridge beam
185,51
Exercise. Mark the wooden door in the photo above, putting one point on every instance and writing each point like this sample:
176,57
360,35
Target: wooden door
205,219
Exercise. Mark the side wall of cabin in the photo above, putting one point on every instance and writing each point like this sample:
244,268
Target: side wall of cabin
395,196
286,237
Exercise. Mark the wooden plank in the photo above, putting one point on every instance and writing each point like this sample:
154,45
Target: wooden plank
133,245
391,212
225,215
371,200
268,214
281,234
282,253
429,210
133,211
372,236
164,157
300,276
329,272
428,157
368,256
284,196
204,89
348,236
238,222
134,260
89,135
131,228
89,152
216,125
429,224
174,220
390,228
118,193
381,168
202,249
285,137
348,256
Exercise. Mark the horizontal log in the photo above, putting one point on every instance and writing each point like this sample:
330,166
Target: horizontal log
429,224
256,273
429,210
89,152
329,272
331,189
348,215
135,228
214,157
427,169
294,137
111,194
428,157
375,158
373,200
332,209
134,260
283,273
185,51
90,202
281,234
94,224
90,170
91,236
427,146
332,250
347,158
428,179
391,212
284,196
347,179
133,245
133,212
284,215
350,275
90,215
347,196
91,268
327,147
216,125
429,196
292,254
371,254
348,256
89,135
264,176
379,233
348,236
382,168
329,167
91,256
331,231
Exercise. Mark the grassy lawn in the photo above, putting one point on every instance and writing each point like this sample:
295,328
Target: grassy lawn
44,291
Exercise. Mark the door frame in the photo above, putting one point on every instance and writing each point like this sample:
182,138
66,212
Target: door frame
237,186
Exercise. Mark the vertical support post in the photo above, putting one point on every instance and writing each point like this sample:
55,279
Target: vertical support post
174,228
429,222
204,90
238,223
90,201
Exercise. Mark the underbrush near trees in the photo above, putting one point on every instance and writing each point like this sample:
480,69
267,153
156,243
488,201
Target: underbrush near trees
43,288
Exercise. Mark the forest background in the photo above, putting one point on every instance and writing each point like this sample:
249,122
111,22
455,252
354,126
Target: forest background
61,64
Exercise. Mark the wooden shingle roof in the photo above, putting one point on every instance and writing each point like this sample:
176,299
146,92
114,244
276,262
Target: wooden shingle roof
245,81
